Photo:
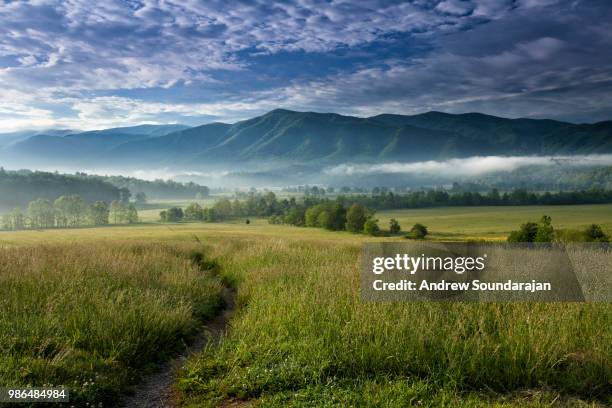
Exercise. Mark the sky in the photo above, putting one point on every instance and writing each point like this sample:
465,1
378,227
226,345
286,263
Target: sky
84,64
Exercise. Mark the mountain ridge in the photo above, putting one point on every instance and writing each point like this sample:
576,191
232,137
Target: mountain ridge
300,137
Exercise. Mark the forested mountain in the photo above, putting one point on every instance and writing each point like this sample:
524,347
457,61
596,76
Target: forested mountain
307,137
86,144
7,139
18,188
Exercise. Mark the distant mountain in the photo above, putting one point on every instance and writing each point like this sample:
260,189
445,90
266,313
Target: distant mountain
54,146
324,138
7,139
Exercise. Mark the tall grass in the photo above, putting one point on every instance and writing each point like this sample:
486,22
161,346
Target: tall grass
92,316
303,337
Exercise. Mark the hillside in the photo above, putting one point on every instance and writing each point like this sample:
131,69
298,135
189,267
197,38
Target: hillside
18,188
307,137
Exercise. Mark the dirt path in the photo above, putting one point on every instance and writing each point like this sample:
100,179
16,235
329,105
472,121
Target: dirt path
155,390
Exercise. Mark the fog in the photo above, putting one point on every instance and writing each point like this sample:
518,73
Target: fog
471,166
282,174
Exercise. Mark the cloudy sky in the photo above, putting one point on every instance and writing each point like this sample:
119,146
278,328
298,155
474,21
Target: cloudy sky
93,64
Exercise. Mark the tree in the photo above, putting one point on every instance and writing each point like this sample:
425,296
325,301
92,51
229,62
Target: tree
141,198
117,211
131,214
70,210
545,231
124,195
174,214
333,217
312,215
526,233
193,212
41,214
394,226
99,213
371,227
418,231
13,220
296,216
223,208
210,215
594,233
355,218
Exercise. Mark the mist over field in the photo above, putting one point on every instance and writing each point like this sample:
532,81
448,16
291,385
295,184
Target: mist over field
470,166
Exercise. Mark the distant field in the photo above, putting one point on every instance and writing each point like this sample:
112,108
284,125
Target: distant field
459,223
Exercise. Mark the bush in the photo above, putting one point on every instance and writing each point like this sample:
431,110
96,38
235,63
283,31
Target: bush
545,232
594,233
526,233
173,214
371,227
418,231
394,226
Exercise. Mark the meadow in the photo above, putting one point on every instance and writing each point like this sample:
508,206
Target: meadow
107,303
92,317
495,223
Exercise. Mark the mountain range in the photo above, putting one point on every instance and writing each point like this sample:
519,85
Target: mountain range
310,137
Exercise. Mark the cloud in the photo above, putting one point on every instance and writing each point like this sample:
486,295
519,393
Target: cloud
455,7
111,44
174,60
472,166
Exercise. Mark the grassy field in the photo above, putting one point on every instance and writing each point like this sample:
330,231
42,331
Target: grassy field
93,316
304,338
494,223
110,301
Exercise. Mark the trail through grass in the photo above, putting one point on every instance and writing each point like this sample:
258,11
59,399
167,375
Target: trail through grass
303,337
92,317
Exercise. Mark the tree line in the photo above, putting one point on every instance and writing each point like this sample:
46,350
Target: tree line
154,189
69,212
293,211
333,215
18,188
440,198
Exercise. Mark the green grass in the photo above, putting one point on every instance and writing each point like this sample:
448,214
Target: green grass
87,302
93,316
303,337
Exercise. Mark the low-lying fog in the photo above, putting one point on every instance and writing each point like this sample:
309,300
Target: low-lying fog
282,174
471,166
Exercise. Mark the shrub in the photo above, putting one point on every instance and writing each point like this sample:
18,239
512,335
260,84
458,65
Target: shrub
526,233
173,214
394,226
371,227
418,231
594,233
545,231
